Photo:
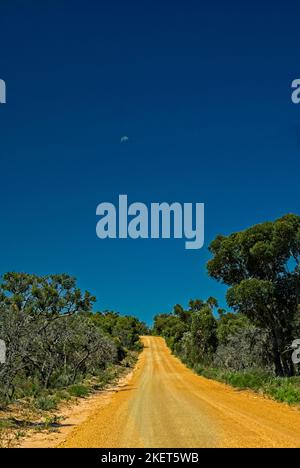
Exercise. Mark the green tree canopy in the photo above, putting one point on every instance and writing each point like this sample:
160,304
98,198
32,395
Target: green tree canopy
261,264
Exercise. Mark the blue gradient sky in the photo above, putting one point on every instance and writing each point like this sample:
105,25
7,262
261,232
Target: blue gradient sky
202,89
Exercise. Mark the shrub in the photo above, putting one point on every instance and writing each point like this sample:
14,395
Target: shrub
253,379
46,403
245,348
285,390
78,391
63,395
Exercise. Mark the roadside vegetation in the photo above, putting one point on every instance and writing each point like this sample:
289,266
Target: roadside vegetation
250,346
58,349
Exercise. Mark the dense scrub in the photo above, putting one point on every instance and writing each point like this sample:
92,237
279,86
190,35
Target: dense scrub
226,347
54,340
251,346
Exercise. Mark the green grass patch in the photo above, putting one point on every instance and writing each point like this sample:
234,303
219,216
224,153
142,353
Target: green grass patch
79,391
46,403
255,380
286,390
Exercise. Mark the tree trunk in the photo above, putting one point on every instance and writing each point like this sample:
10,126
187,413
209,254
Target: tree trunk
279,371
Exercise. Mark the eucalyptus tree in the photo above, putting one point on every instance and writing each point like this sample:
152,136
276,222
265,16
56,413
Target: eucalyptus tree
261,266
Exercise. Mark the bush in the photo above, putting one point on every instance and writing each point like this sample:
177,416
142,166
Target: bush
285,390
254,380
245,348
54,339
46,403
78,391
63,395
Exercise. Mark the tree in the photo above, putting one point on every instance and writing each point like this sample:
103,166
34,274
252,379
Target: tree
203,336
49,336
229,324
192,333
212,302
196,305
261,266
172,328
183,315
51,296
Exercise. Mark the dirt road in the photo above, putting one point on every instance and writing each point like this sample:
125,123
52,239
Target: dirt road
167,405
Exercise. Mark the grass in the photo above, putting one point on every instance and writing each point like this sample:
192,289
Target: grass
286,390
79,391
46,403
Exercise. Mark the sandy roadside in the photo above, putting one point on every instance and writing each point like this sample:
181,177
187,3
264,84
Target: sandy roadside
73,415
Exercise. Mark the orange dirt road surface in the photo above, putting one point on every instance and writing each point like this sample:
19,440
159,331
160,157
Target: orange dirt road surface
165,405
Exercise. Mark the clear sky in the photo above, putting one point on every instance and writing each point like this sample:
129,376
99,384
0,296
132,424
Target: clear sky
201,89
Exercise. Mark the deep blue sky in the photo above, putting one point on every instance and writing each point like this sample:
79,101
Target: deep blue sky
202,89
